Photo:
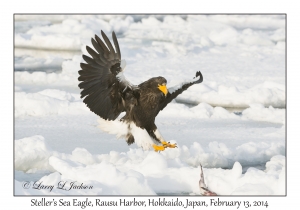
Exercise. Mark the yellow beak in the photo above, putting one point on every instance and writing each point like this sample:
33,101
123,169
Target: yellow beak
163,88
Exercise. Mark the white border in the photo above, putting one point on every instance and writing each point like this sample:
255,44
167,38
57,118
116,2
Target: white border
156,6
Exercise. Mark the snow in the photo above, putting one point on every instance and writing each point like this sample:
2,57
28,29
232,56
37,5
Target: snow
28,63
148,172
259,113
233,123
194,44
47,102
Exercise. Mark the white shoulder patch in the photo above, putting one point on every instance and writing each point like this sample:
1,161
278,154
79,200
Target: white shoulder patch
176,87
120,76
123,64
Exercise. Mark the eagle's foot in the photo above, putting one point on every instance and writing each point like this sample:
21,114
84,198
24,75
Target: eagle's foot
167,144
158,148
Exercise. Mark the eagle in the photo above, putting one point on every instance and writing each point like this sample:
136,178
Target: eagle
108,93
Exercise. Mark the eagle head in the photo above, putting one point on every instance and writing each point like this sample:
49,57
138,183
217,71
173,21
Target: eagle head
161,84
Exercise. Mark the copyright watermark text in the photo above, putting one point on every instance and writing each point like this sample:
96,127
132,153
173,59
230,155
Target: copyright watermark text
62,185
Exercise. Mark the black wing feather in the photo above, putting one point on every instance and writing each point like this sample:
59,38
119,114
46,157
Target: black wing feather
110,47
96,46
101,88
116,45
105,50
89,60
92,52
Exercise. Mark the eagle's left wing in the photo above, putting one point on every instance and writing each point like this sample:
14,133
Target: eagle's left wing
102,78
173,92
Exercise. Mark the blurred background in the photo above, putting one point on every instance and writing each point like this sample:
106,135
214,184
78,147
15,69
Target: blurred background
242,57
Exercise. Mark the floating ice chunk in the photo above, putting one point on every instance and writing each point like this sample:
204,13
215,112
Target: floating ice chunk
47,102
259,113
32,152
58,94
121,183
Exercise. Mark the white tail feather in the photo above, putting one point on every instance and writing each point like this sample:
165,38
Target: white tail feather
122,129
116,127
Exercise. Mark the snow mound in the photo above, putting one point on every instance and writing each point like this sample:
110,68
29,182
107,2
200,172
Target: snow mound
230,96
259,113
106,174
33,63
32,153
253,182
139,172
214,155
201,111
70,34
67,77
48,102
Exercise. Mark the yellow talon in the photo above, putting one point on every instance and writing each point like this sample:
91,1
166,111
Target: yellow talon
158,148
172,145
167,144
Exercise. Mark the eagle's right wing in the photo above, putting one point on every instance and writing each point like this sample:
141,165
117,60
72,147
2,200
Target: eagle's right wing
103,82
173,92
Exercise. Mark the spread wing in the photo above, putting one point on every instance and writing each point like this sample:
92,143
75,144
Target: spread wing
102,79
173,92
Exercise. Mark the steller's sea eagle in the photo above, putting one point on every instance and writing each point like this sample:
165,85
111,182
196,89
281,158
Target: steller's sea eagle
107,93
